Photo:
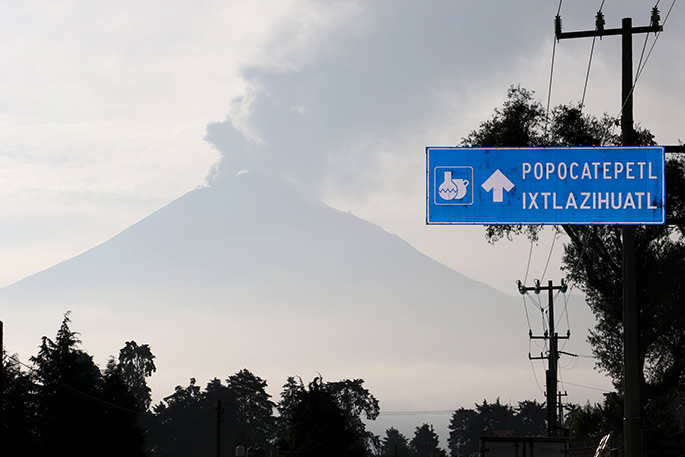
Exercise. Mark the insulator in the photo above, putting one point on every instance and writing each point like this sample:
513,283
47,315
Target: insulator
537,286
655,17
522,290
557,26
599,21
564,287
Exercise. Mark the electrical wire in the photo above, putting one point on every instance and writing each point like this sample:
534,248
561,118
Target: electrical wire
536,377
587,78
530,255
418,413
639,71
656,38
549,256
551,77
585,387
525,307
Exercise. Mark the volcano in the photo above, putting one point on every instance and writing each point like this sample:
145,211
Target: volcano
253,272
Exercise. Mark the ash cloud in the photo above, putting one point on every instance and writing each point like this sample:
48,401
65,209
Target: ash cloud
376,75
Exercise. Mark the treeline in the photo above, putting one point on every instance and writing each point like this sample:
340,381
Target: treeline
64,404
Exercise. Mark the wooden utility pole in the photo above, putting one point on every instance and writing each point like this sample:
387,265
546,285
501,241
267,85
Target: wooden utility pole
632,421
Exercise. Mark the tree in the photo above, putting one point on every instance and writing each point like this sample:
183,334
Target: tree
184,425
590,423
186,421
78,409
593,256
18,409
467,426
530,418
120,416
323,418
395,444
253,408
136,364
426,442
465,433
356,400
68,381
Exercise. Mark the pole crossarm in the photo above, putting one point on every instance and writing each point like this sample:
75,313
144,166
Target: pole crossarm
674,149
600,31
607,32
537,287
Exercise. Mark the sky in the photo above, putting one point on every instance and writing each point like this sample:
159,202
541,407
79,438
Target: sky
111,110
105,109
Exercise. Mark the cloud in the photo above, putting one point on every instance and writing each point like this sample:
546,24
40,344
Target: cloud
335,93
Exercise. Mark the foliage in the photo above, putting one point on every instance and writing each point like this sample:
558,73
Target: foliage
18,409
186,421
70,407
324,418
395,444
467,426
425,442
593,256
253,408
591,422
137,363
120,419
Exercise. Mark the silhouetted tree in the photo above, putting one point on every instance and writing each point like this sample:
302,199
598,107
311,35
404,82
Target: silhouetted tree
467,426
76,406
19,409
66,392
120,416
395,444
185,423
426,442
136,364
465,432
530,418
254,419
318,424
590,423
356,401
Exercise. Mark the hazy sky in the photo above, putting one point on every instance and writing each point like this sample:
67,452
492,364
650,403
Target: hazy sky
110,110
105,107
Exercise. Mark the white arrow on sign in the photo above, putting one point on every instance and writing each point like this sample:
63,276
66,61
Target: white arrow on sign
498,183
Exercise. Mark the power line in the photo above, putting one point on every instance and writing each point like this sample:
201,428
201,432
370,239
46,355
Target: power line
418,413
530,255
549,256
585,387
639,70
551,76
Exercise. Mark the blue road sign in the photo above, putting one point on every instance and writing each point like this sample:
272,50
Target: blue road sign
545,185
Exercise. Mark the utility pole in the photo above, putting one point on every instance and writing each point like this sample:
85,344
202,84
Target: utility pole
561,410
632,427
553,426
